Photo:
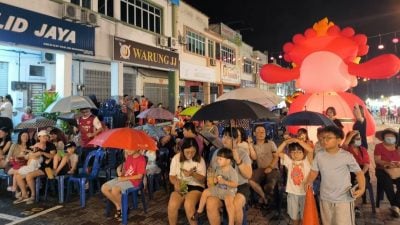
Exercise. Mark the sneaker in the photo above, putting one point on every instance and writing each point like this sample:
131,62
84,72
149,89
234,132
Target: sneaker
395,211
30,200
49,172
19,200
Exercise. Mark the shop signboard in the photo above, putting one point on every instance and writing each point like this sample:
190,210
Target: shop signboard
24,27
134,52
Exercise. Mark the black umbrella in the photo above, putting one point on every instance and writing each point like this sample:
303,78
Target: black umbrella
233,109
307,118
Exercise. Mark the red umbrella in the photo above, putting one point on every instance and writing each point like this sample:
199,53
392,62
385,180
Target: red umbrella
125,138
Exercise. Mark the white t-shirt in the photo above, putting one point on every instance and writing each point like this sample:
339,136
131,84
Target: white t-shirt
297,174
6,110
175,169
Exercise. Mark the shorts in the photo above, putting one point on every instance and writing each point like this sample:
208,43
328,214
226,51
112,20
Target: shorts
221,193
23,171
244,189
295,206
195,188
124,185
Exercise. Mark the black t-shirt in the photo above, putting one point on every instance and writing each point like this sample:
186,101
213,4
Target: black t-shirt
362,128
49,147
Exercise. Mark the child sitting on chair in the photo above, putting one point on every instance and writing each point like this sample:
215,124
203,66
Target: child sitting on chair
298,168
223,186
66,163
130,174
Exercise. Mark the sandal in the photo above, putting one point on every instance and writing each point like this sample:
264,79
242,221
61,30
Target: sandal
118,214
195,216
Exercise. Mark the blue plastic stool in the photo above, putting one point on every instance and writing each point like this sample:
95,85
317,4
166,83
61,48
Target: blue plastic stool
124,202
60,185
38,184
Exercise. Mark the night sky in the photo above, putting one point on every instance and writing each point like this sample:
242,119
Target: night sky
268,24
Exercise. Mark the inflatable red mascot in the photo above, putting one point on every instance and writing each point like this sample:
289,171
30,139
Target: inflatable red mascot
325,62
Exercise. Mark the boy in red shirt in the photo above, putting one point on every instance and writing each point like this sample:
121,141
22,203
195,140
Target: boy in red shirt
130,174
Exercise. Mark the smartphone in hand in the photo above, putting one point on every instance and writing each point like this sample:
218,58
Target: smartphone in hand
352,190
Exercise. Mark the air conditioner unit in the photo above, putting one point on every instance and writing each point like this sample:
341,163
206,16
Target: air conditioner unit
182,40
90,18
71,11
211,62
172,43
162,41
48,57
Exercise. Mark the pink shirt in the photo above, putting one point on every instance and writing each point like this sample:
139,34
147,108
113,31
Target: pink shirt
385,154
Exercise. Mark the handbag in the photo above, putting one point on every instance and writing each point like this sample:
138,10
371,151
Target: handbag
394,173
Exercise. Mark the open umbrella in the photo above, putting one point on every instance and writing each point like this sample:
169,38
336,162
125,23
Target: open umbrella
152,130
307,118
70,103
35,123
125,138
214,140
156,113
257,95
189,111
70,117
233,109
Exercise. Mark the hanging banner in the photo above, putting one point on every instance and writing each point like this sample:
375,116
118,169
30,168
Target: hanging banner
25,27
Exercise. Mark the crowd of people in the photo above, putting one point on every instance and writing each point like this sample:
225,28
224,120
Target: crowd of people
206,177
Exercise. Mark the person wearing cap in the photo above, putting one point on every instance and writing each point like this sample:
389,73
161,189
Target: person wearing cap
46,150
66,164
387,156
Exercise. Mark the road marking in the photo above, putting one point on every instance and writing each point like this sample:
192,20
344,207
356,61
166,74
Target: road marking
35,215
9,217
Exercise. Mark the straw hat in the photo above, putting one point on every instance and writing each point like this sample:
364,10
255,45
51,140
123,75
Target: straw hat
380,134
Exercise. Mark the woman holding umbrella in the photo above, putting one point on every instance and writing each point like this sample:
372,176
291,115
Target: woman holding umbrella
187,175
130,174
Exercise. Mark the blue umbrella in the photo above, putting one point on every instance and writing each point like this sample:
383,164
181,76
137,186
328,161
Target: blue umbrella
307,118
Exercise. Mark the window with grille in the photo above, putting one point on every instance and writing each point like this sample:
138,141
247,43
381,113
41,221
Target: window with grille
247,67
141,14
82,3
211,51
196,43
228,55
106,7
97,83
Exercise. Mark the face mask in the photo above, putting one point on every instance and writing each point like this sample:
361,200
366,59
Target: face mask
390,140
357,143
